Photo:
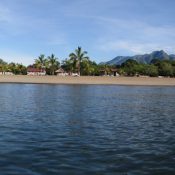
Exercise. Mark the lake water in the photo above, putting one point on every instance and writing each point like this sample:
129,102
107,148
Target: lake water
86,129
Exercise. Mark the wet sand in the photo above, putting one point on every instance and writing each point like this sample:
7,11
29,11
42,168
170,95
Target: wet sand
87,80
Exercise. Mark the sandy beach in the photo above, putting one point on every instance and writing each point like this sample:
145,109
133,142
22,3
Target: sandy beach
88,80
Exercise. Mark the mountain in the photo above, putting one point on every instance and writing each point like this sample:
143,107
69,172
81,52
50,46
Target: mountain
146,58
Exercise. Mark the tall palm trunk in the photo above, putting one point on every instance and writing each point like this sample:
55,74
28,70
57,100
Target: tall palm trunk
79,68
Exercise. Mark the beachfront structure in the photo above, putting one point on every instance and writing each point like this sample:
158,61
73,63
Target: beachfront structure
114,72
6,73
36,71
61,72
109,72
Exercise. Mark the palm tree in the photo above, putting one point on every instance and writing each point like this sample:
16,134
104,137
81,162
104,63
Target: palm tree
41,61
3,66
53,64
78,57
68,65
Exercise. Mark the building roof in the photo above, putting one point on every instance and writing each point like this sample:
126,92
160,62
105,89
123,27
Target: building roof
32,69
114,69
108,69
60,70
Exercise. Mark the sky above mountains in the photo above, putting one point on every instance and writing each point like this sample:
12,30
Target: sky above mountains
104,28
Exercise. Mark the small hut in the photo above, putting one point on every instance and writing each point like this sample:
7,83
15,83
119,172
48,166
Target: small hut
6,73
103,72
109,72
61,72
114,72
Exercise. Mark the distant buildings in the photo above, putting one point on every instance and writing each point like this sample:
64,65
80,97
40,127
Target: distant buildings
109,72
61,72
6,73
36,71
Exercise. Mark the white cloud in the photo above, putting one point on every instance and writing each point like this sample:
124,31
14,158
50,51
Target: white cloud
134,37
49,25
134,47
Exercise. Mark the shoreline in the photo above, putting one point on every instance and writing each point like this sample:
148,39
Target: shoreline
88,80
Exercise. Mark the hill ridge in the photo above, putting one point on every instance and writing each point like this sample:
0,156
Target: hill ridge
145,58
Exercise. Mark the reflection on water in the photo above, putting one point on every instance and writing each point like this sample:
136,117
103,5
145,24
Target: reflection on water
59,129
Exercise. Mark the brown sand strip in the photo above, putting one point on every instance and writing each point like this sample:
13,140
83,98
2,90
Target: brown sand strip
88,80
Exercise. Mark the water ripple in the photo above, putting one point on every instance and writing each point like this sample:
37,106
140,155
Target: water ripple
59,129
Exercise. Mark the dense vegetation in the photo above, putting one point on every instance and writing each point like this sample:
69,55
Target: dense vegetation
79,62
51,63
15,68
155,68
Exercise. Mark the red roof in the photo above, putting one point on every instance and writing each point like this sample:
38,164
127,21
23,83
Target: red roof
32,69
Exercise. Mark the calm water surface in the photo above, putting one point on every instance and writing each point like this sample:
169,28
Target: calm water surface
59,129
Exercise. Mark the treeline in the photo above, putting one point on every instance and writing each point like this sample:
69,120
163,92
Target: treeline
155,68
15,68
79,62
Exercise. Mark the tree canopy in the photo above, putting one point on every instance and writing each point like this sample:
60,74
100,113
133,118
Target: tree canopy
79,62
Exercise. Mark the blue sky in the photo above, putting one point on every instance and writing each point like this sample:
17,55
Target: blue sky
104,28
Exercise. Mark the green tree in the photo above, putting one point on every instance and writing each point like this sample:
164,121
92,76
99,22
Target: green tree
12,67
53,64
78,57
130,67
21,69
86,67
105,68
3,66
151,70
41,61
165,68
68,65
17,69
